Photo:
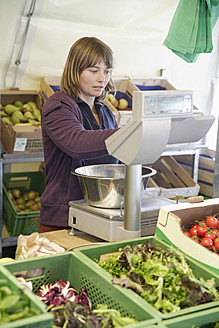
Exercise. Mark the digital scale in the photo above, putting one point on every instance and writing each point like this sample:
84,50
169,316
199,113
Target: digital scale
107,224
159,118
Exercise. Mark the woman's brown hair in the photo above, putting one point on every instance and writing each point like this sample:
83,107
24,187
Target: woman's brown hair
85,52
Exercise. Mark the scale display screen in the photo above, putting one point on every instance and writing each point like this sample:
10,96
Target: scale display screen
168,104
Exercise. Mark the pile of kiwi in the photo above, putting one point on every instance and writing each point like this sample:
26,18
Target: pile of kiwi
25,202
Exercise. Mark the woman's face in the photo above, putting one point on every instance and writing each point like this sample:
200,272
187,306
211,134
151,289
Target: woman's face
93,81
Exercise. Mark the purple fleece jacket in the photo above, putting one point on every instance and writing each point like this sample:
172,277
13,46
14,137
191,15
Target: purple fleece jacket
71,138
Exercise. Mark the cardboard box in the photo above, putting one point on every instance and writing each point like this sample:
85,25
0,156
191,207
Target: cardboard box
173,180
11,135
172,217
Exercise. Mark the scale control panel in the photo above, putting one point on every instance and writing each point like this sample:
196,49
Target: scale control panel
162,103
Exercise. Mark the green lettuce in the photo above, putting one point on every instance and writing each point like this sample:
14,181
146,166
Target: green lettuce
162,277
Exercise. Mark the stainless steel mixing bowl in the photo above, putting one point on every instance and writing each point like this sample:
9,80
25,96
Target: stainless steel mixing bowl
103,185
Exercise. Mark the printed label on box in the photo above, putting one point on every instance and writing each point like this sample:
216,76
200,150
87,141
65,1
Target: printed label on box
20,144
35,146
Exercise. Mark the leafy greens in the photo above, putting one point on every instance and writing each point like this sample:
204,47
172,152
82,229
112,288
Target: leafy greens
162,277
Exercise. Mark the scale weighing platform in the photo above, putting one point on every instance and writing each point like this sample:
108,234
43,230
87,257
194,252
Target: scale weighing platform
107,223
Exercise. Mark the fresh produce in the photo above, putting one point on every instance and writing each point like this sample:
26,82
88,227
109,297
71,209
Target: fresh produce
77,315
162,277
13,305
21,278
73,309
212,221
205,232
6,120
123,103
3,114
25,202
120,104
60,292
18,103
19,113
112,99
6,259
10,109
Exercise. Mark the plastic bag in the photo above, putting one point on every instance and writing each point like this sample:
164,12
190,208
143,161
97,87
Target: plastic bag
33,246
190,32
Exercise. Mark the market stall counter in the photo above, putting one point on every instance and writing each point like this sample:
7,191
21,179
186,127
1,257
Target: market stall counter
69,241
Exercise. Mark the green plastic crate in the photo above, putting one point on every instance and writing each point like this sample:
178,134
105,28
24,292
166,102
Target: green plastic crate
69,266
89,254
158,325
193,320
41,320
21,223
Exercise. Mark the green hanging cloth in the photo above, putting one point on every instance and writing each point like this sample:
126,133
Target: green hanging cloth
190,32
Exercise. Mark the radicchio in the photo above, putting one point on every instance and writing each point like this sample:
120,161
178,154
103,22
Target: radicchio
21,278
57,293
60,292
82,298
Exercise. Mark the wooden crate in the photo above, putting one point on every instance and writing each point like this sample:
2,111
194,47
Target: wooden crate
205,169
124,89
173,179
156,83
152,189
48,85
206,175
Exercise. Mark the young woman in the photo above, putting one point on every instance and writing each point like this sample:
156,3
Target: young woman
75,125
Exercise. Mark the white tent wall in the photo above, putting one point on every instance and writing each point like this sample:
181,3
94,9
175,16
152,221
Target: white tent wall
134,29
